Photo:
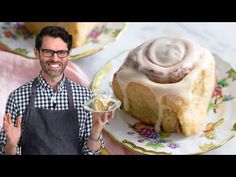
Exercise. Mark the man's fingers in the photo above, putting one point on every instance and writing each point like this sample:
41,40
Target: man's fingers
111,115
104,117
18,121
5,123
5,118
96,114
9,118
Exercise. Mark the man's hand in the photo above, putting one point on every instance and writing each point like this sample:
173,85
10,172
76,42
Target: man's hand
13,133
99,121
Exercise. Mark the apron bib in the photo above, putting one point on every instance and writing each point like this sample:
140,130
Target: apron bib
50,132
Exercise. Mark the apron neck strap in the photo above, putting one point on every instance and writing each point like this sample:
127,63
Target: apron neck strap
33,92
69,93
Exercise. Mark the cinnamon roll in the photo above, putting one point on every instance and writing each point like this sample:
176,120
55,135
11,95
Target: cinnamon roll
167,82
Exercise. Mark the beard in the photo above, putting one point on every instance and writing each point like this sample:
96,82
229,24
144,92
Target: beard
51,71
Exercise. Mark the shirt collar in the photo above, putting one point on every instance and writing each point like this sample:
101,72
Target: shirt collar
45,84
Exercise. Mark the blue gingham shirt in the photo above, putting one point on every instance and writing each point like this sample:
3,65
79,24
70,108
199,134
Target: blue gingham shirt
18,101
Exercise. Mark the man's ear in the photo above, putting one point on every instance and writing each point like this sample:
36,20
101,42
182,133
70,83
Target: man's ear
36,53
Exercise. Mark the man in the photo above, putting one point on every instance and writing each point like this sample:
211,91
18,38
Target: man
46,116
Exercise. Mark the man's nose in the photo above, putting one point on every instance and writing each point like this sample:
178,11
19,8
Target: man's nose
55,57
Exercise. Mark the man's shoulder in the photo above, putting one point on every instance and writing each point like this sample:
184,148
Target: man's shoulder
25,88
80,88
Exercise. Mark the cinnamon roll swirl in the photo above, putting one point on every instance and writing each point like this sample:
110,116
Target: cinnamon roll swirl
167,82
164,60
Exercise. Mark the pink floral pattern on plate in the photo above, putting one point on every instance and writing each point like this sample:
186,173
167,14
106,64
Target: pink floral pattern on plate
146,134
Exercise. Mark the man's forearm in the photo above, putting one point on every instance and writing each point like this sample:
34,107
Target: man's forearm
94,142
94,145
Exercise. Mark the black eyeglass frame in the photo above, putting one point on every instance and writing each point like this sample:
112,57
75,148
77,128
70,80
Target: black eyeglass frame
55,51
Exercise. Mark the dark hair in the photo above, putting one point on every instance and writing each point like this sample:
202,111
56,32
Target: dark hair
53,31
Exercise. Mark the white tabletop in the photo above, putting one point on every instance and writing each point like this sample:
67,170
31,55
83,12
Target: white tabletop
219,38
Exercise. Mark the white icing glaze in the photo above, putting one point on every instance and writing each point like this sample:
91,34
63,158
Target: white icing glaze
183,88
163,59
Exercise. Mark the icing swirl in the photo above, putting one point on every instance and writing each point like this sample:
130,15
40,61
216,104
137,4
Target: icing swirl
164,60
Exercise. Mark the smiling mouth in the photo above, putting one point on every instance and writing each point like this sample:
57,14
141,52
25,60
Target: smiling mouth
54,65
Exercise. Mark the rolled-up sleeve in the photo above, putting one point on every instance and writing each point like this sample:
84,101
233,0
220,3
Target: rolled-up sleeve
87,151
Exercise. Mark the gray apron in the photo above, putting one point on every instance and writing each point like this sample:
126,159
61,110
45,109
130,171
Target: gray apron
50,131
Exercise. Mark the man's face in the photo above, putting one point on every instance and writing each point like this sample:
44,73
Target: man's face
53,66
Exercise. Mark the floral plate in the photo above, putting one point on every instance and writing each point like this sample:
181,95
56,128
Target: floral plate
15,37
218,128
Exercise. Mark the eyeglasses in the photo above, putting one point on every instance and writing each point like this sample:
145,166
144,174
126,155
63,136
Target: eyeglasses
50,53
